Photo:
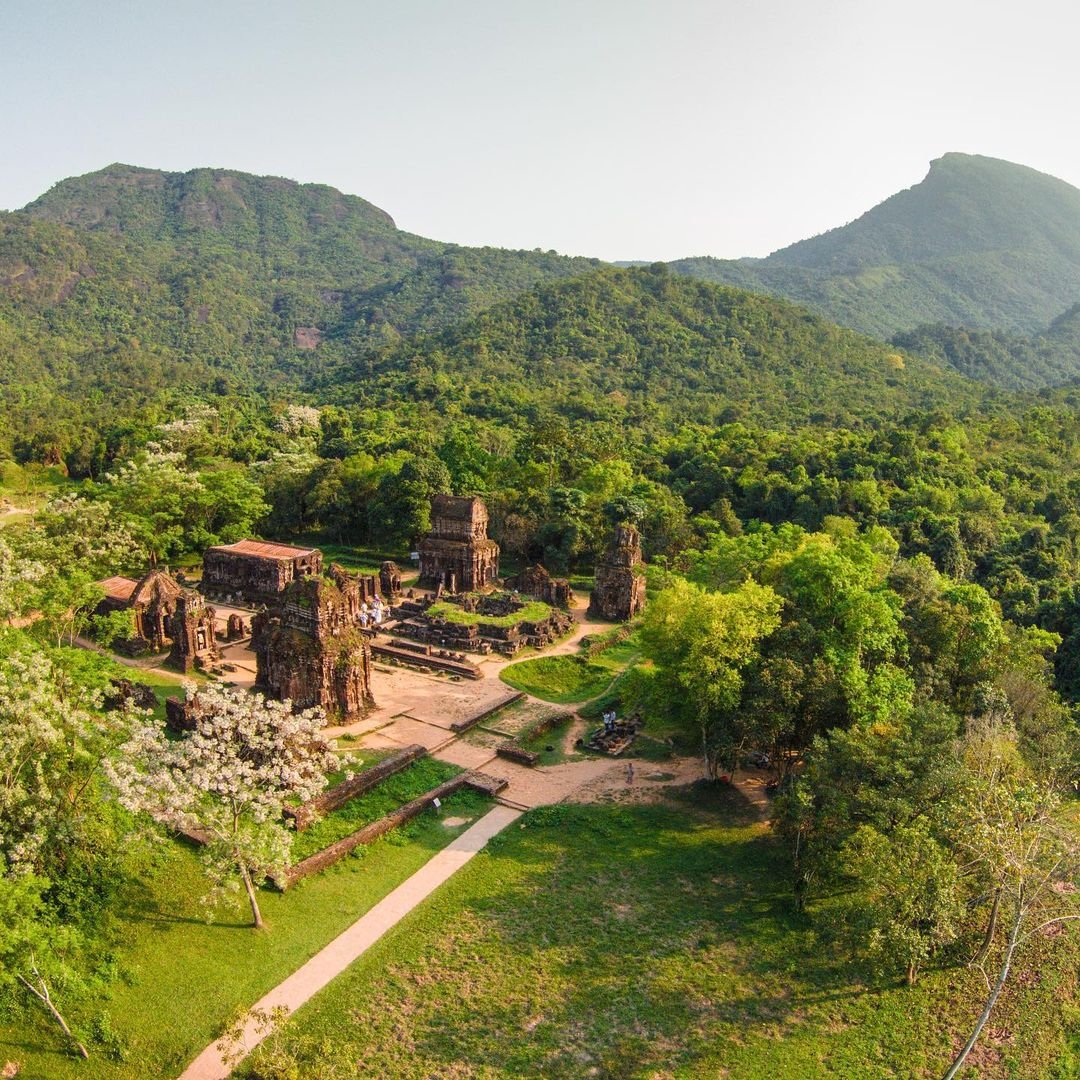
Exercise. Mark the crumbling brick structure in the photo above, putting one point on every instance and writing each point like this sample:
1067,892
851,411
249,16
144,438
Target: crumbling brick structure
192,630
536,581
255,570
310,648
457,553
151,601
390,581
481,636
619,592
164,615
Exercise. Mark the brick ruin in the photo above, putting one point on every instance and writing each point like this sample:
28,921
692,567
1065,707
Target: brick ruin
390,581
194,642
164,616
416,621
310,646
536,581
619,592
256,570
457,556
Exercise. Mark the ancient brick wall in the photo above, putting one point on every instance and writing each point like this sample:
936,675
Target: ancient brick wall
619,590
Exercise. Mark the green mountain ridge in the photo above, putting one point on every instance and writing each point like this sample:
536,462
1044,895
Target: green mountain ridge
126,285
150,203
122,284
657,348
980,243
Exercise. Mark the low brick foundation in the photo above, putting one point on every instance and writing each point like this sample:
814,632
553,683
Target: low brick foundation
458,726
340,794
335,852
517,753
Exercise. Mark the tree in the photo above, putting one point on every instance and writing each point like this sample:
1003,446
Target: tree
1009,828
229,779
32,947
401,511
700,643
62,859
880,775
155,495
904,902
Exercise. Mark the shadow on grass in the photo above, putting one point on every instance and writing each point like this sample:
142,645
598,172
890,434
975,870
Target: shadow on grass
622,939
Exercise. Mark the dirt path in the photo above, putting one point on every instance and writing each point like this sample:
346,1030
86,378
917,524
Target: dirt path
334,958
12,513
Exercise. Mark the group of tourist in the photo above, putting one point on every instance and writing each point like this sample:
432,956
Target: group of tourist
373,613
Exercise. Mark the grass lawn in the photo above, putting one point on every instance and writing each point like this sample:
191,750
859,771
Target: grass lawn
400,788
181,978
618,942
560,679
573,678
531,611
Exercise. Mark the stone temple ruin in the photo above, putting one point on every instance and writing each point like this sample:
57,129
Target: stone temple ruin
255,570
194,640
457,556
489,632
536,581
619,592
310,646
164,616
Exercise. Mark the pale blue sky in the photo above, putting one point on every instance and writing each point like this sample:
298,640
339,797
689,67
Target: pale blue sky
616,128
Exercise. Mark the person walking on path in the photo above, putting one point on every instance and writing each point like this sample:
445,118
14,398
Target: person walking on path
629,772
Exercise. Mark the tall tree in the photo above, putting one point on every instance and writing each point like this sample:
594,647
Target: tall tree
229,779
700,643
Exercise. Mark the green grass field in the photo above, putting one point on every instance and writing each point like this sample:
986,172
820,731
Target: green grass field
396,790
574,678
180,978
619,942
559,679
531,611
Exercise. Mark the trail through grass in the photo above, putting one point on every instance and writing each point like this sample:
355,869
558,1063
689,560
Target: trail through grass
181,975
624,942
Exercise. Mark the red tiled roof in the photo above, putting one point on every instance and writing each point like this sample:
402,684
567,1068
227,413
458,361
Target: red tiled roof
156,582
265,550
118,588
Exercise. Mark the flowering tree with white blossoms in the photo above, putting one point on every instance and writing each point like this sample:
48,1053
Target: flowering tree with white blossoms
299,419
229,779
54,822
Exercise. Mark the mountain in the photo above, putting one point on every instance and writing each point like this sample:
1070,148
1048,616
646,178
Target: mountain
1050,358
315,255
645,347
979,243
120,284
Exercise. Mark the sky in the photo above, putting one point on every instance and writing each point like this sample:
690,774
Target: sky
620,129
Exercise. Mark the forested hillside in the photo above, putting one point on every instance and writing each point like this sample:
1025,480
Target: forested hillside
119,284
980,243
656,349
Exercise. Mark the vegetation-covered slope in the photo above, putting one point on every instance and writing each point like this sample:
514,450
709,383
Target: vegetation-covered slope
646,344
117,284
1051,358
980,243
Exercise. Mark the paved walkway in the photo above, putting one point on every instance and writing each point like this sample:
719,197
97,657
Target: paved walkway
331,961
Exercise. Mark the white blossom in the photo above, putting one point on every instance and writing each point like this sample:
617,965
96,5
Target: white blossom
229,778
298,419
